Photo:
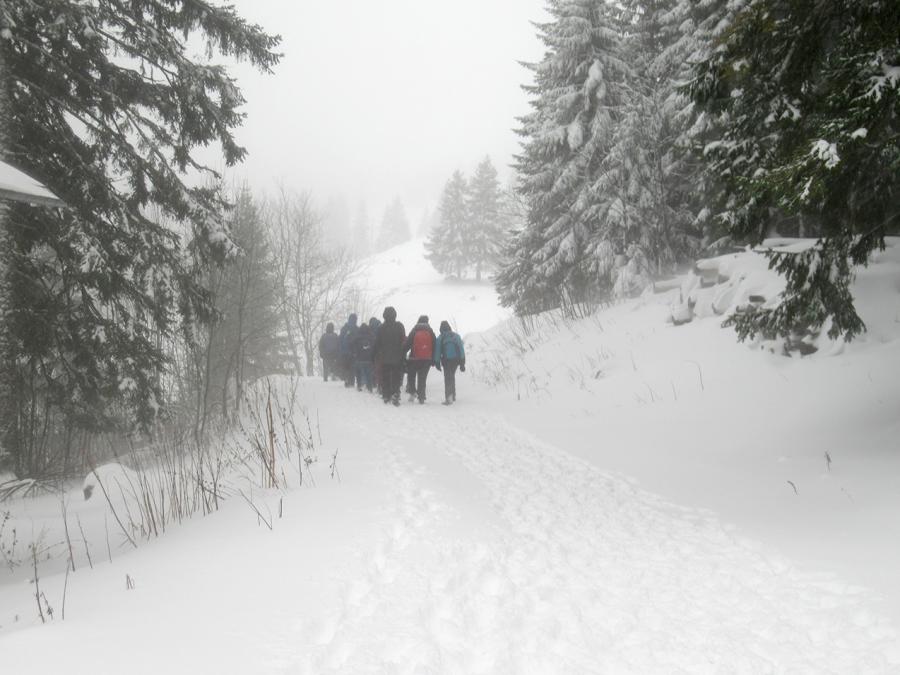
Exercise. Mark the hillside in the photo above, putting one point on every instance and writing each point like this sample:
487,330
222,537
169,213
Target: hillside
615,495
798,452
402,277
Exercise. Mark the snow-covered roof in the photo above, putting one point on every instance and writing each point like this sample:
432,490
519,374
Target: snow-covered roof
20,187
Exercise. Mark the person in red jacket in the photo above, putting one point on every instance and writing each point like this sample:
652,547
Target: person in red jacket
420,345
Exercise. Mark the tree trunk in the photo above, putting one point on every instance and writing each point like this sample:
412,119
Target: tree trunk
9,445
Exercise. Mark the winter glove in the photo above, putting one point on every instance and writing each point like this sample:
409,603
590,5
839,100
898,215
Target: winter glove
462,367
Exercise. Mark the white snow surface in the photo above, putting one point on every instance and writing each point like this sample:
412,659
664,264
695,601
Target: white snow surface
403,278
608,495
18,183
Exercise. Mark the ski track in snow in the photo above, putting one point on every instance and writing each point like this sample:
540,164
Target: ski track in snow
585,574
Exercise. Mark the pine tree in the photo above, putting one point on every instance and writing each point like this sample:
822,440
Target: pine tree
650,167
394,226
245,341
564,169
487,220
447,246
808,99
106,107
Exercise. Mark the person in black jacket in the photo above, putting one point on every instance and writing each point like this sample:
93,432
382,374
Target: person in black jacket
420,345
363,357
329,351
348,332
374,326
390,350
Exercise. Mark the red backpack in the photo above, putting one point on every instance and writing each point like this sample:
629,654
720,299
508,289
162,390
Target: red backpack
423,345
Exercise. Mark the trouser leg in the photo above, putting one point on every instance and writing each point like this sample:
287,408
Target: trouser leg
410,379
396,380
392,378
422,377
450,379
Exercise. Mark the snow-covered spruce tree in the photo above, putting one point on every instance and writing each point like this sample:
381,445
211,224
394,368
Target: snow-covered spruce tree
700,27
517,285
576,100
808,98
487,219
447,246
245,341
106,107
394,226
651,225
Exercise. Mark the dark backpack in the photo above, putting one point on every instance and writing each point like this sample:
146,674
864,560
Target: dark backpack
365,347
423,345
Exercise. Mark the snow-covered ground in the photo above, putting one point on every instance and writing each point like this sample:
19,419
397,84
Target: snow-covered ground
402,277
613,495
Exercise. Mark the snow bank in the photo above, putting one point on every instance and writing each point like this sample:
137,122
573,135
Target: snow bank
799,452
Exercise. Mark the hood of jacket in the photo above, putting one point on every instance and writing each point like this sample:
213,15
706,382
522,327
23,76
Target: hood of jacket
390,314
445,327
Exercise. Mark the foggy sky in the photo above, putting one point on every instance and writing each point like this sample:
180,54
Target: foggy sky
381,98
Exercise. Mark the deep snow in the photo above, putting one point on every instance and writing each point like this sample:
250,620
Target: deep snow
607,496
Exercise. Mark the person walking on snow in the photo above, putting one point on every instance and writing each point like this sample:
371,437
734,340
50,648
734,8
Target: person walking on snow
374,326
420,345
348,332
363,356
449,354
389,349
329,351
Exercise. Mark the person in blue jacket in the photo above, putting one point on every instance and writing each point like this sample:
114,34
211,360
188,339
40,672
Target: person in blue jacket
449,354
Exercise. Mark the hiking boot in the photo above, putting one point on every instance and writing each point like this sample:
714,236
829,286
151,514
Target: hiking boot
447,401
421,401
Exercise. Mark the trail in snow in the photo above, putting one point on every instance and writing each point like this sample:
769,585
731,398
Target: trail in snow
570,570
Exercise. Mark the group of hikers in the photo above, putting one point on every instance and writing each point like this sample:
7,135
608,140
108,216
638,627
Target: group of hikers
375,356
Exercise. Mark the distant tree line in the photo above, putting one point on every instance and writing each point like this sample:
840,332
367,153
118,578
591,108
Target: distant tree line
660,129
473,218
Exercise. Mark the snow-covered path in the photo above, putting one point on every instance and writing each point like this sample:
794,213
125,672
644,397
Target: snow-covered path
499,554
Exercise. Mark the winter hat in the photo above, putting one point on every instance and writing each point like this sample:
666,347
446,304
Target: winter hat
352,320
329,328
390,314
445,327
423,319
374,323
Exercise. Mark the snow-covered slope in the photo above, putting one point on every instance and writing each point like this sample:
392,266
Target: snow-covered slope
612,495
801,453
402,277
